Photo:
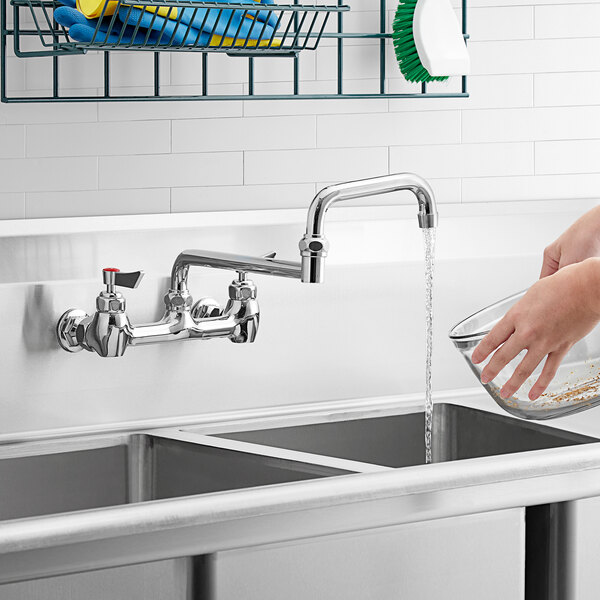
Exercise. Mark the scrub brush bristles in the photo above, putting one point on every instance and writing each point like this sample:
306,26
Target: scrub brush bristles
404,44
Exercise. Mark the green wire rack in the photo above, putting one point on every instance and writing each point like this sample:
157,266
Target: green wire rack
275,30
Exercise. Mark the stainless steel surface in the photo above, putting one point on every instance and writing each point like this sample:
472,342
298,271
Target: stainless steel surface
90,473
471,557
65,272
213,522
397,441
161,580
575,527
314,246
65,476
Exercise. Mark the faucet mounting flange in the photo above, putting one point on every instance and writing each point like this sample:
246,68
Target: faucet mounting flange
66,329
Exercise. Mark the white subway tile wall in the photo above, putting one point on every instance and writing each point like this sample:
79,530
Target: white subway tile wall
529,131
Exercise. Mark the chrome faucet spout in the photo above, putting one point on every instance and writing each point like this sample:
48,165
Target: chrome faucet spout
314,246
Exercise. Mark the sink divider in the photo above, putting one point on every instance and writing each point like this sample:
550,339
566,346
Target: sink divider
328,462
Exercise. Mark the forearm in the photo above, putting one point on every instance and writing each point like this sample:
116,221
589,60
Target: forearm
589,283
579,242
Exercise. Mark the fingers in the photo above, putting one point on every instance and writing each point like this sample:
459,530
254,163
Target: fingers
525,368
500,359
547,375
497,336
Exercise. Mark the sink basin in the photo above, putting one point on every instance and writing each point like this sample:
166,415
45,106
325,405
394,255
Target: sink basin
398,441
63,476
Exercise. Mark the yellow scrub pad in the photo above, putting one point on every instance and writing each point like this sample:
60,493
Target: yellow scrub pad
215,40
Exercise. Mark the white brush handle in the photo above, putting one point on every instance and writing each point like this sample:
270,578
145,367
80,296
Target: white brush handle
439,40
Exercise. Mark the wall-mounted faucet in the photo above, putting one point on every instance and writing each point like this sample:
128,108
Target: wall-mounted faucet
108,331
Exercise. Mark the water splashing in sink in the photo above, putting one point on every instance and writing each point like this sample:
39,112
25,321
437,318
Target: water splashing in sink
429,241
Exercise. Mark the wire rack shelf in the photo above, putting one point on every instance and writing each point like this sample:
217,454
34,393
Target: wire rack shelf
242,30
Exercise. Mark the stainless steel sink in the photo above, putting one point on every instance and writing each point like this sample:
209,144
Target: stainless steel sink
221,507
398,440
70,475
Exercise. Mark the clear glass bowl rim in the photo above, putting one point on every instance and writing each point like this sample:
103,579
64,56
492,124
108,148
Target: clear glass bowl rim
480,334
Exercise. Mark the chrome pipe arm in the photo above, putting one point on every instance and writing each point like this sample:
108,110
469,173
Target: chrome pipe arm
264,265
239,323
314,246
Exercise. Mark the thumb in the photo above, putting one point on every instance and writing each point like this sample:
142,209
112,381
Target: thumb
551,261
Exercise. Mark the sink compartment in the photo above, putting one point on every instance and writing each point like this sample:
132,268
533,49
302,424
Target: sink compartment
58,482
63,476
178,468
398,441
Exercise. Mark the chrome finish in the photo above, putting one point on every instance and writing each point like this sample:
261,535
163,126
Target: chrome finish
66,329
108,332
314,246
113,277
206,308
233,262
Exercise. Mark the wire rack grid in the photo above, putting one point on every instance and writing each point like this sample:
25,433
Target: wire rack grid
242,30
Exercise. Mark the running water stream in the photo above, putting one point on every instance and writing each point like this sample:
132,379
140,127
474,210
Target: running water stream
429,241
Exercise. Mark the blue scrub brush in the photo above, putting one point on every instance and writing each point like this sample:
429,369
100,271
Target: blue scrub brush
428,41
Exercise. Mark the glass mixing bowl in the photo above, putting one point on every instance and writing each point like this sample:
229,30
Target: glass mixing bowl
575,387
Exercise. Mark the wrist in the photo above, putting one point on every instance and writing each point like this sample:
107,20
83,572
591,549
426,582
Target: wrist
590,284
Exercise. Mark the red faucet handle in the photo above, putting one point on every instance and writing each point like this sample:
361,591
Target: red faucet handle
113,277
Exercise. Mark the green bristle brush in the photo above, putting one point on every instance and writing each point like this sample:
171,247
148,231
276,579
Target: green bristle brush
428,41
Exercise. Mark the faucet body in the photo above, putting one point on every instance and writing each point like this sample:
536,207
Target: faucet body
108,332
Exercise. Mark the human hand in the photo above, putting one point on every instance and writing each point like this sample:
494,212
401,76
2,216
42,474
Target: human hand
555,313
579,242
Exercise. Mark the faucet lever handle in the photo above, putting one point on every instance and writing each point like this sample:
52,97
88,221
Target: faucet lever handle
113,277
